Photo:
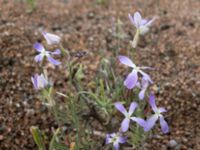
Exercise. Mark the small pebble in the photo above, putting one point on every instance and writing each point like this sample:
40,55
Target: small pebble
172,143
1,137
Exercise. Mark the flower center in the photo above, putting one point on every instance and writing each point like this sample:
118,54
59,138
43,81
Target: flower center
158,113
137,68
44,53
128,116
114,138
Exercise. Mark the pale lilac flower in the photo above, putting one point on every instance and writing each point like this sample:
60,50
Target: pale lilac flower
152,120
116,139
51,38
39,81
125,123
43,53
141,24
132,78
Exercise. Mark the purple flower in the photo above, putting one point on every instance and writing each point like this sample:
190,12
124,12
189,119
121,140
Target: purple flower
115,138
51,38
132,78
38,58
152,120
141,24
125,123
39,81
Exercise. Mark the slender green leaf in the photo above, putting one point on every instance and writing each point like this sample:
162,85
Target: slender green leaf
38,138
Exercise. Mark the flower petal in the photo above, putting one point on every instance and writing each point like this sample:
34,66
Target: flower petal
137,19
142,94
125,124
53,61
112,135
108,139
126,61
152,102
131,79
39,81
51,38
145,82
122,139
132,107
34,81
131,19
43,80
162,110
151,122
138,85
146,76
39,47
116,145
56,52
139,121
150,22
143,22
120,107
164,125
38,58
149,68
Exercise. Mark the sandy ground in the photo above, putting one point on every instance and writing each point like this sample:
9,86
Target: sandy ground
173,47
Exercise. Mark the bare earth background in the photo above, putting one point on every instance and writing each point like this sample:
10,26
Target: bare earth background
173,47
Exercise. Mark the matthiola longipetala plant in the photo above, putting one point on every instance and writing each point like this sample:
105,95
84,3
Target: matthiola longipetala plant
106,98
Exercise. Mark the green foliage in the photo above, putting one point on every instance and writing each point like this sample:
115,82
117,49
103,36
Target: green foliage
102,2
54,144
37,136
118,30
32,4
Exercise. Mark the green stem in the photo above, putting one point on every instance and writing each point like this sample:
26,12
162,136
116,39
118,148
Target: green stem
134,44
37,136
136,38
68,62
75,122
63,50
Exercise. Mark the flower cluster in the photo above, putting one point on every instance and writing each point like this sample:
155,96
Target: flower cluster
41,81
145,124
137,78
